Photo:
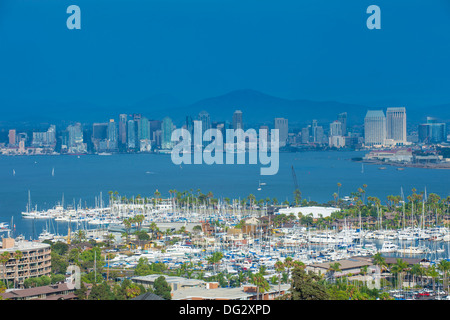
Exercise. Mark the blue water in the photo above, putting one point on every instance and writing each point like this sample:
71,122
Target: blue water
131,174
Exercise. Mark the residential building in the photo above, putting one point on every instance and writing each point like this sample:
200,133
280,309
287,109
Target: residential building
35,261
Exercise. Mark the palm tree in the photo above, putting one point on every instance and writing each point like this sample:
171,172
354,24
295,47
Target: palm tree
379,261
279,267
261,284
444,266
398,268
17,256
334,267
416,271
4,258
433,273
215,258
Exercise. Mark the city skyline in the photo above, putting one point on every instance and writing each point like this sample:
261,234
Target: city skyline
140,134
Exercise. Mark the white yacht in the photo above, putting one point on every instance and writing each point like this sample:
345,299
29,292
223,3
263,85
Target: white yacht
388,246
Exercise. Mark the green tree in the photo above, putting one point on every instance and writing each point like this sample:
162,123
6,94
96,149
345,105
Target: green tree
306,286
162,288
101,291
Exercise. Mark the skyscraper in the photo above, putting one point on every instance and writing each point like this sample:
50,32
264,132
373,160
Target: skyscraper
112,135
432,131
12,137
336,128
305,134
123,128
205,119
131,139
342,118
75,141
374,128
282,126
396,124
318,134
143,129
166,134
237,120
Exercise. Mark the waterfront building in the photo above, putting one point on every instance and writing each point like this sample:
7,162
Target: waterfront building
281,124
336,141
394,155
374,128
35,261
396,125
166,134
237,120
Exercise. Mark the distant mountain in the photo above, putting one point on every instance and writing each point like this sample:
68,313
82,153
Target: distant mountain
258,108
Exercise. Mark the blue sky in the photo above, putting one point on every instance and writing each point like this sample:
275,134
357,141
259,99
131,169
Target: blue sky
127,51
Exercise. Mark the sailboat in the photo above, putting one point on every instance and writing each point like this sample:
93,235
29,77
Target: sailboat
259,186
14,172
53,172
362,167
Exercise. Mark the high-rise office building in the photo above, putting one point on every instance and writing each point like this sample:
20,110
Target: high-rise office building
75,140
396,125
318,134
306,134
237,120
205,119
131,134
100,136
432,131
336,128
143,129
282,126
166,134
12,137
113,140
123,118
374,128
342,118
155,126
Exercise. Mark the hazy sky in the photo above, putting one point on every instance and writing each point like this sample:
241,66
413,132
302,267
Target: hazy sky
129,50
